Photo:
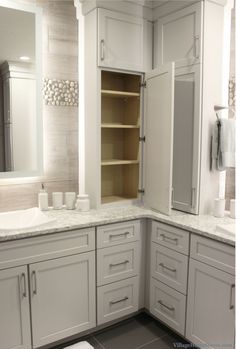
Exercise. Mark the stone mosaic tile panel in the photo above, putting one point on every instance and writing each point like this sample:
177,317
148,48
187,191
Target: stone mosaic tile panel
60,92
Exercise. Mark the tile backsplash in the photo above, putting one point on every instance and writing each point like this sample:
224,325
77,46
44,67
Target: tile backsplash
60,62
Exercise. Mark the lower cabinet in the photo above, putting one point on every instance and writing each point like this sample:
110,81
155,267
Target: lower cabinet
62,297
14,309
210,310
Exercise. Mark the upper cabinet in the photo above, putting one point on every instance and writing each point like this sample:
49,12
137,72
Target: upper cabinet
179,37
121,40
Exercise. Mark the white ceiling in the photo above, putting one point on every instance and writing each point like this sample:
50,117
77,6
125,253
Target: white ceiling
17,35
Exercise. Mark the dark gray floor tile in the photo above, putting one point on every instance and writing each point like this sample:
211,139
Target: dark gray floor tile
131,334
92,341
167,342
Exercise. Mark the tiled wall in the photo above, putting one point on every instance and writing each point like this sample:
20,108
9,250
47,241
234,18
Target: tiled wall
60,55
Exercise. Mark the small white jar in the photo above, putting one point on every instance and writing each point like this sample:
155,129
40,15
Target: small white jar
219,208
232,208
57,200
70,199
83,203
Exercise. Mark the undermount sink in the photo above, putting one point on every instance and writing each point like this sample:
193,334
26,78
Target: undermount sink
226,228
23,219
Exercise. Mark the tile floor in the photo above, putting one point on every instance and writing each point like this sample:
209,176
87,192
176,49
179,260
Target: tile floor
139,332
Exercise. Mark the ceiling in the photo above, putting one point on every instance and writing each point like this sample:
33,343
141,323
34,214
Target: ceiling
17,35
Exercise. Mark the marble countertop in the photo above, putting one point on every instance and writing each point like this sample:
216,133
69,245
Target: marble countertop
204,225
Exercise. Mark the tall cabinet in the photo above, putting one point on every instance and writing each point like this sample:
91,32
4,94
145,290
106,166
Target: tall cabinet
147,122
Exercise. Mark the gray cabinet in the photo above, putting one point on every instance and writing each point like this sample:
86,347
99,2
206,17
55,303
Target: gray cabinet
14,309
62,297
210,308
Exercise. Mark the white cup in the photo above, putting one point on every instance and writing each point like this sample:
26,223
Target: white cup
83,203
219,208
70,199
57,200
232,208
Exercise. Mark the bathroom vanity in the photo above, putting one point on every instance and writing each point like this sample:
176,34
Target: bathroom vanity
90,270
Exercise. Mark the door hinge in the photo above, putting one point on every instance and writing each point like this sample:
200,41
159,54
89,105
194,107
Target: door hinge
142,139
143,84
141,191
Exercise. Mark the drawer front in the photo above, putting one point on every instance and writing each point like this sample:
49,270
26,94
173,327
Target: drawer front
168,305
117,300
168,236
117,263
115,234
169,267
214,253
36,249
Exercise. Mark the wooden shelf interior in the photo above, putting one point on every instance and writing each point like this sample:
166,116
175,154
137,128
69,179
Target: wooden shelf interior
119,182
120,144
120,82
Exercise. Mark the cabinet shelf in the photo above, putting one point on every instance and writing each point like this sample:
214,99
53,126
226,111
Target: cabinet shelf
111,125
118,94
118,162
116,198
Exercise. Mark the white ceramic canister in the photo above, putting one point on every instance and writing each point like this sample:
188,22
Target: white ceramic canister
232,208
57,200
83,203
219,208
70,200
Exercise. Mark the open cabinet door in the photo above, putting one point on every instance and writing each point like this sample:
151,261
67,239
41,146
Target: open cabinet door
159,125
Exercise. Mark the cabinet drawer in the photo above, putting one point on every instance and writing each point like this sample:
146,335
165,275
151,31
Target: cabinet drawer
115,234
168,236
168,305
117,263
214,253
117,300
169,267
35,249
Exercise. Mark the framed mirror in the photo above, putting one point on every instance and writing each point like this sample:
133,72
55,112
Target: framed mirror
21,129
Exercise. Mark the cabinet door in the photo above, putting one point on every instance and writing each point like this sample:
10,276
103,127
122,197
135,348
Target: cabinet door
179,36
187,131
159,124
120,41
14,309
210,311
62,297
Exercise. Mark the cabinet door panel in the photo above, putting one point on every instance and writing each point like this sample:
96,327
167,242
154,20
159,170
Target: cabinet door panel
14,309
210,311
159,120
62,297
179,36
187,130
120,41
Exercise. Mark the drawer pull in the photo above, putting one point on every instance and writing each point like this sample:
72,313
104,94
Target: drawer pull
119,300
168,268
231,305
120,263
165,237
166,306
117,235
24,292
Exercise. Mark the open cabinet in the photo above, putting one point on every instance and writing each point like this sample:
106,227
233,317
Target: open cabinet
120,136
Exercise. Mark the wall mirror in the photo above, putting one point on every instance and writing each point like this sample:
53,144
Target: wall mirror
21,145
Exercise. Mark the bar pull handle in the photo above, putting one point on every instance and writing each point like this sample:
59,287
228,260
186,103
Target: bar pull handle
196,46
193,198
120,263
117,235
119,300
102,47
168,268
165,237
34,282
166,306
23,285
231,305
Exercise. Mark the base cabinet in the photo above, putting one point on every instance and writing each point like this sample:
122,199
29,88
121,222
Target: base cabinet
62,297
210,308
14,309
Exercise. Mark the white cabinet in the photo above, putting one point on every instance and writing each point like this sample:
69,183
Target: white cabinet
179,36
14,309
210,309
62,297
120,40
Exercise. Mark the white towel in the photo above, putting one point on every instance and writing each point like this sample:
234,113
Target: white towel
81,345
227,142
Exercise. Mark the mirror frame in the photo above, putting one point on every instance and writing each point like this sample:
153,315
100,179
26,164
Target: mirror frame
15,5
